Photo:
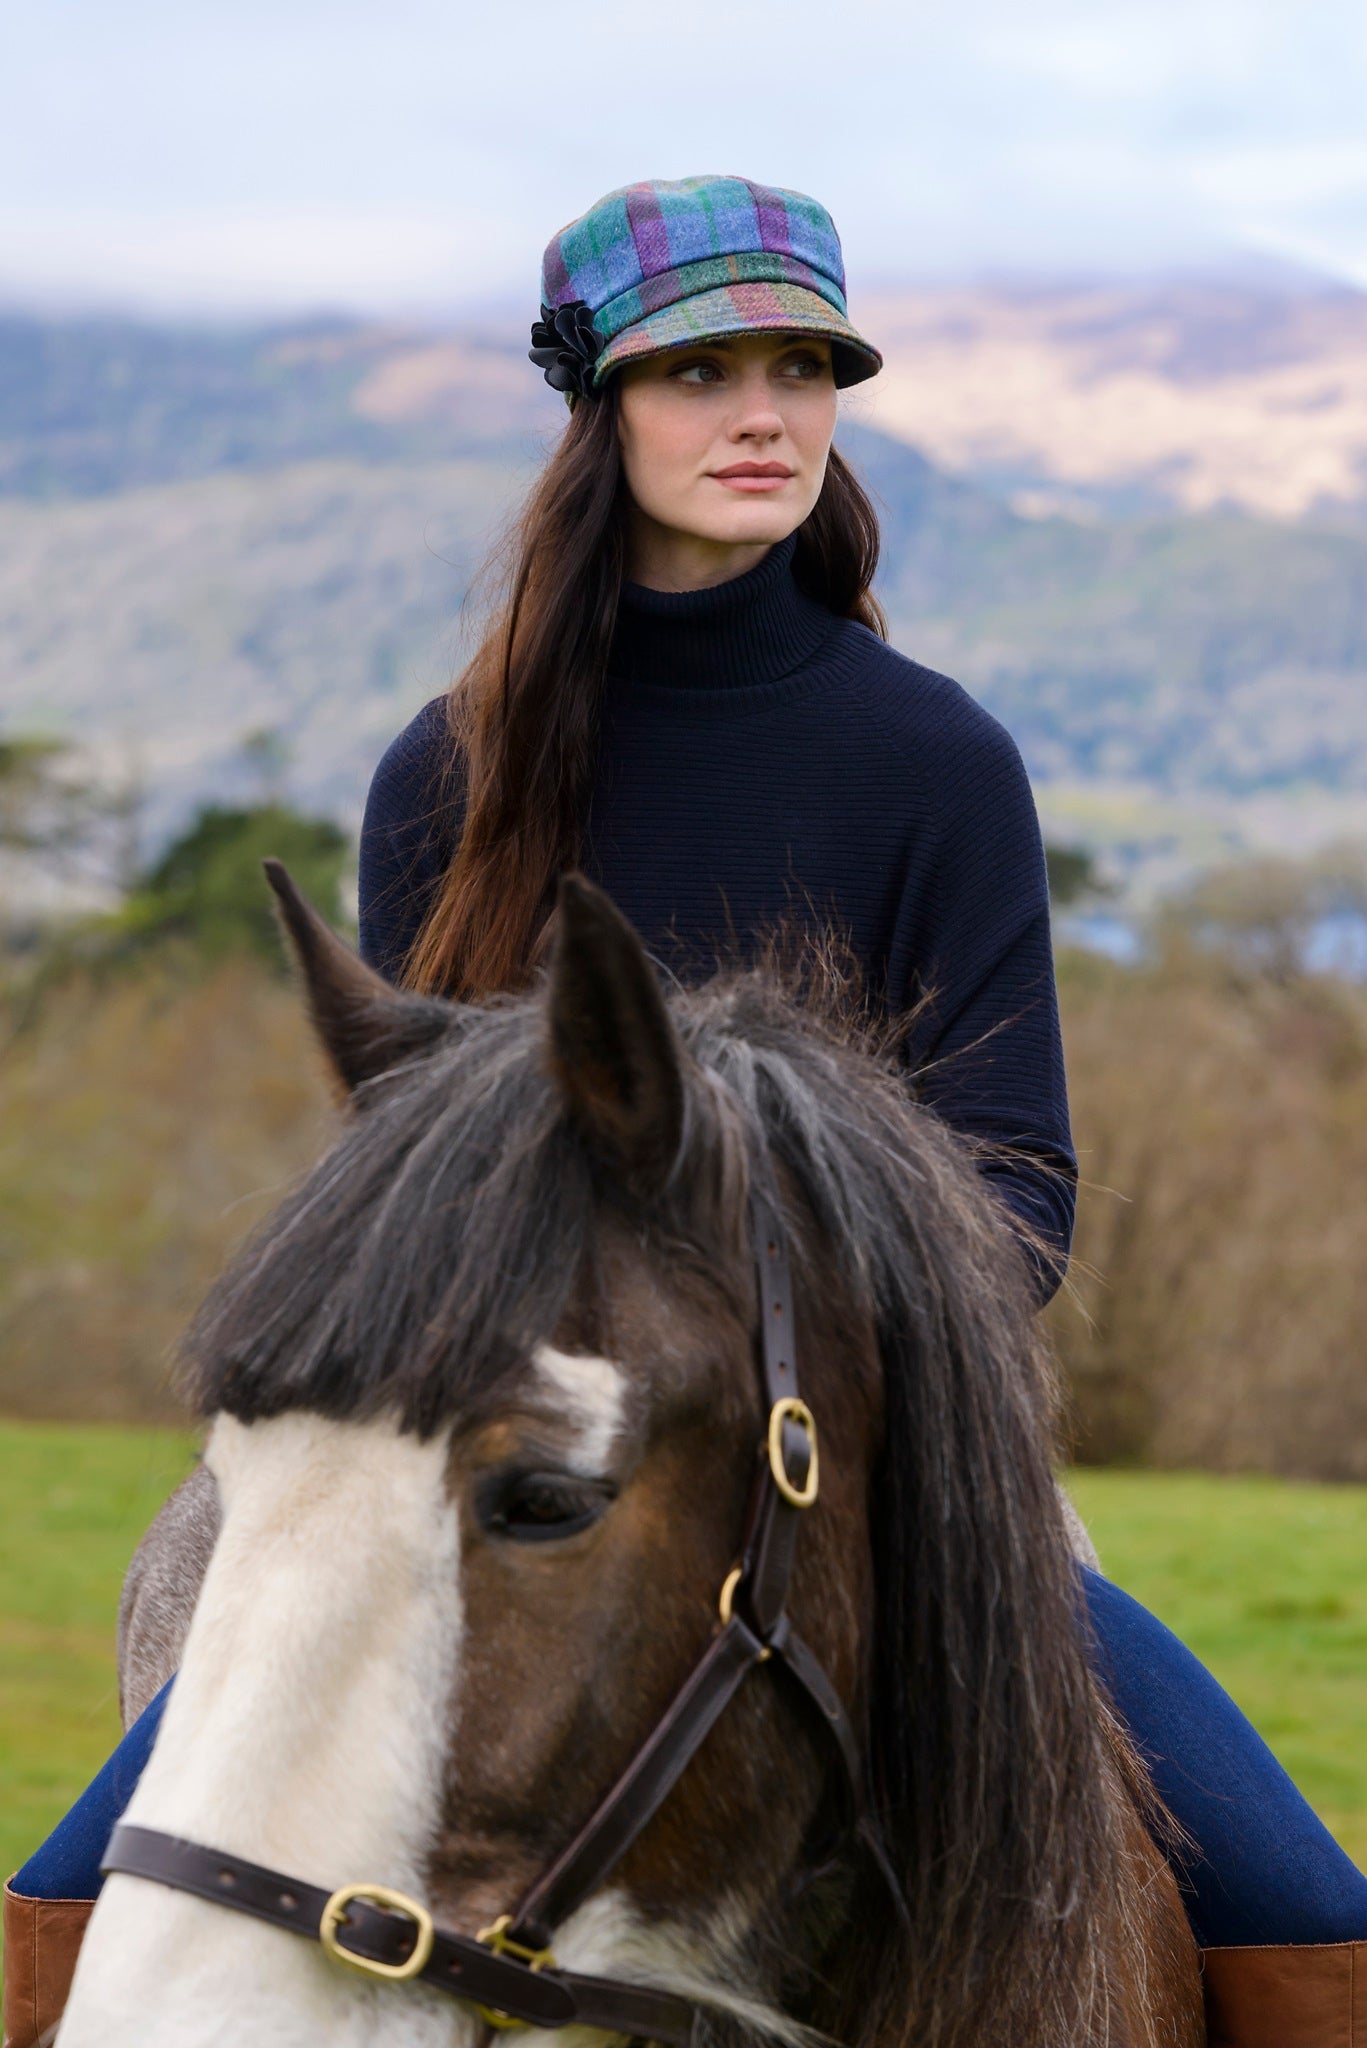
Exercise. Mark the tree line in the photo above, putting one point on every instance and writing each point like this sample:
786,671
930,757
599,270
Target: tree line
202,893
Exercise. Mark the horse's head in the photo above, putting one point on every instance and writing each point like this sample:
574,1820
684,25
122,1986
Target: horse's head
483,1408
484,1411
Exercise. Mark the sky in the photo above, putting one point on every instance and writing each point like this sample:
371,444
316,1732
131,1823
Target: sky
404,156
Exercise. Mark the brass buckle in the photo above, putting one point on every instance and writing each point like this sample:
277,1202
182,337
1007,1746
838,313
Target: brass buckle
728,1594
497,1939
791,1409
334,1913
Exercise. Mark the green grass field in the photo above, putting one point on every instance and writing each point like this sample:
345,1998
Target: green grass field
1264,1580
73,1503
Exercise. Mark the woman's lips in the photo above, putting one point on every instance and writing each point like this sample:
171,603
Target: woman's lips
748,481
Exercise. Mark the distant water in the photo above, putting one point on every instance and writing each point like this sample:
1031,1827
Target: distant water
1101,931
1337,945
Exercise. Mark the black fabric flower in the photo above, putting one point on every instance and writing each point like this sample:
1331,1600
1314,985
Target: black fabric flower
565,346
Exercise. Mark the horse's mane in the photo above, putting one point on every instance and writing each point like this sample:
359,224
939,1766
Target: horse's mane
439,1241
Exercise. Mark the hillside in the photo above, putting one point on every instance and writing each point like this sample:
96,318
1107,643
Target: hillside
159,626
1191,394
93,407
207,532
1184,394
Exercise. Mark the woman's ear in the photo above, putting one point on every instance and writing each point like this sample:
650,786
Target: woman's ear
365,1026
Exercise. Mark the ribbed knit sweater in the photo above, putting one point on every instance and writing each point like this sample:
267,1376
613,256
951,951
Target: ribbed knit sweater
758,755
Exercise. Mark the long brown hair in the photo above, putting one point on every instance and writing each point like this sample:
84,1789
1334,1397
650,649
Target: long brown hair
524,714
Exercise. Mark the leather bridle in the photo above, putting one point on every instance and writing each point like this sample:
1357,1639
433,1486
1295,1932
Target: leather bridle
509,1970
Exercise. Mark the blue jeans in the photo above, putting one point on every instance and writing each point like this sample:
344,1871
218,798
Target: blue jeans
1265,1869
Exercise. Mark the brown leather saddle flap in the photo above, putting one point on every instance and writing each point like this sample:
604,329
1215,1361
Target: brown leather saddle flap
42,1942
1310,1997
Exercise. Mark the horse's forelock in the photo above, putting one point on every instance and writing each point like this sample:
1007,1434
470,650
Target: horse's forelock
442,1237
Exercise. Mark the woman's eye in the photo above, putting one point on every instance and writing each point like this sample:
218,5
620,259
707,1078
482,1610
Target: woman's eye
699,373
542,1507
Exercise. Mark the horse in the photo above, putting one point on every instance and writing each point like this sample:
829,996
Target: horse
485,1442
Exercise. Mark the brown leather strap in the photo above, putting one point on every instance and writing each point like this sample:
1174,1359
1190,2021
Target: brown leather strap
773,1271
800,1663
767,1562
772,1524
646,1782
633,2009
759,1597
458,1964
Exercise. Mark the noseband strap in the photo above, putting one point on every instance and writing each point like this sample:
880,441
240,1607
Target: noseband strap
509,1972
386,1941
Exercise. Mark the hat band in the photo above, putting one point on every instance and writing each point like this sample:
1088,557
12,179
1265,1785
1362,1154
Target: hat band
749,265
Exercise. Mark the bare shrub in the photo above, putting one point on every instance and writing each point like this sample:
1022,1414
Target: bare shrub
1219,1306
145,1125
1269,913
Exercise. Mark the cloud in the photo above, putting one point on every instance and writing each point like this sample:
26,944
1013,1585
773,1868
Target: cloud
265,153
240,262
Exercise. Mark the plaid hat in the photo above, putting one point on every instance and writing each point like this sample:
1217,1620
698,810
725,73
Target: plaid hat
673,260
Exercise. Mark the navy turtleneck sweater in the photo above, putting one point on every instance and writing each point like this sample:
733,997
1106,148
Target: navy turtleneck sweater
757,754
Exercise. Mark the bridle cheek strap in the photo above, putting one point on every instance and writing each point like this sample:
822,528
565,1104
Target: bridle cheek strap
509,1971
755,1626
642,1788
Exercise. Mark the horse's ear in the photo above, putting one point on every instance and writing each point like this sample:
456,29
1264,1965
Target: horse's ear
365,1026
614,1048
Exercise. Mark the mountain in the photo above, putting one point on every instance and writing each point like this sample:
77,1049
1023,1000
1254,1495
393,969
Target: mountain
93,407
1185,394
158,626
203,533
1189,393
1222,652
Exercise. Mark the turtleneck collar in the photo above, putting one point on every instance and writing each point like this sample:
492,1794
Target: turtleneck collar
754,629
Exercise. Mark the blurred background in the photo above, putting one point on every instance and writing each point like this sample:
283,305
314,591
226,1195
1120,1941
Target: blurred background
266,279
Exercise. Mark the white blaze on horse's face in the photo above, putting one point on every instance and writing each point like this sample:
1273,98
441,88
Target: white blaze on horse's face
365,1697
308,1730
588,1393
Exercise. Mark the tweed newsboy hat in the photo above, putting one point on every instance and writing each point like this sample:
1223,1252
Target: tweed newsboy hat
673,260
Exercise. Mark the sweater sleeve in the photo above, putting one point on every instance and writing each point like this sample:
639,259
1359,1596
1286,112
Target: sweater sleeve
408,835
977,952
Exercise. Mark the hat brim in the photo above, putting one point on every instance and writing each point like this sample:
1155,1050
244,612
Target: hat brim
743,308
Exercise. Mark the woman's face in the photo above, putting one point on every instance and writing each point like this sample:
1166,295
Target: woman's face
724,446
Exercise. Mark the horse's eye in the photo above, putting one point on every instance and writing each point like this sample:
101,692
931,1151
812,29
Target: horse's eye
541,1507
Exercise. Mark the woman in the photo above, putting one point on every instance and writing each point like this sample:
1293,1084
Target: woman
688,694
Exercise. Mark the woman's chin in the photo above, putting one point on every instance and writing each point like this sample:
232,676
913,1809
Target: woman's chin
752,523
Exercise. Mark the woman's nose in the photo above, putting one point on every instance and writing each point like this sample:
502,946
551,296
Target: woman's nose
757,416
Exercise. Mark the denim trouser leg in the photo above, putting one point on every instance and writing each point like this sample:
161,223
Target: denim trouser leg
1268,1870
68,1864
